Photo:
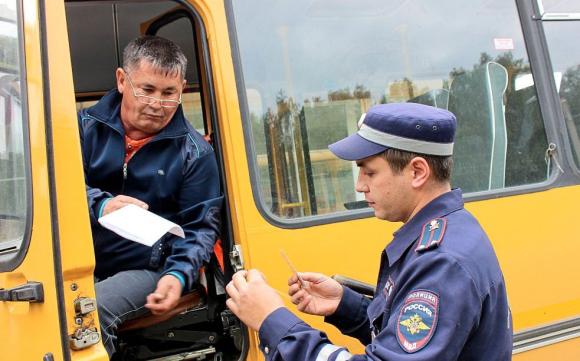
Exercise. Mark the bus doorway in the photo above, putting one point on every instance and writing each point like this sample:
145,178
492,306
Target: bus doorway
200,327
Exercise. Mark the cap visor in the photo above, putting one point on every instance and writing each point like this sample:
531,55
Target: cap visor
355,147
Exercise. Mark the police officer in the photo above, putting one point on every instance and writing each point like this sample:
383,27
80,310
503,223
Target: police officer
440,293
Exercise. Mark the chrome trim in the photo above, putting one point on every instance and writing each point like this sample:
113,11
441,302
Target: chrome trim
560,16
546,335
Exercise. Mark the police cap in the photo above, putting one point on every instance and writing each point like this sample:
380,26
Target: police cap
410,127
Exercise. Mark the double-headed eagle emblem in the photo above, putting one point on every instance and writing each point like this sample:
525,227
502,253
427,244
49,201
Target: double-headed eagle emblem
415,324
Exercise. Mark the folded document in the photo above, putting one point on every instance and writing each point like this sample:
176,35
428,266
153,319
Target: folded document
139,225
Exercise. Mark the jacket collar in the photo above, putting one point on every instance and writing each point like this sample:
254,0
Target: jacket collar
406,235
108,109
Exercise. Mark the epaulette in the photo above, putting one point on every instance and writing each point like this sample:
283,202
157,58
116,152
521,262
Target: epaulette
432,234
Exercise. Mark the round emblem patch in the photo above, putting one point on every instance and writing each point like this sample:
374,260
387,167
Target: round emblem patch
417,320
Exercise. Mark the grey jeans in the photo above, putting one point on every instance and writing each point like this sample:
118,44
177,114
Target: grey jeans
122,297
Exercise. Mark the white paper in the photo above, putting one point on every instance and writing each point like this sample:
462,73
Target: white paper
139,225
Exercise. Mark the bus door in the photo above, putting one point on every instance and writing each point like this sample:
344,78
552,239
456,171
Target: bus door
45,271
199,330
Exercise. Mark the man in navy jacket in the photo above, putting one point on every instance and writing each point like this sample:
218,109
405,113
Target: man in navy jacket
440,292
139,149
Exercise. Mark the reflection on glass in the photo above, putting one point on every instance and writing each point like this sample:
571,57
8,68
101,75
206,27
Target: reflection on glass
566,62
311,68
13,204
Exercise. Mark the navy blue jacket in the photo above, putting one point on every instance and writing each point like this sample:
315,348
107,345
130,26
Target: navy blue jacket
440,296
175,173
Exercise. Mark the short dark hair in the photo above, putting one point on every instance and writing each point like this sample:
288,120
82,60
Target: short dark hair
441,166
163,54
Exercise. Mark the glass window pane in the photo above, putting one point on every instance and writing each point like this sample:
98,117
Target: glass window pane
561,6
566,65
311,68
193,110
13,193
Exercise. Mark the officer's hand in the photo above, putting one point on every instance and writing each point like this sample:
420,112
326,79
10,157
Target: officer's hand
251,298
120,202
320,294
166,296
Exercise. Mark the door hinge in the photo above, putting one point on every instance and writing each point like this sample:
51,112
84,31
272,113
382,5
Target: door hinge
236,258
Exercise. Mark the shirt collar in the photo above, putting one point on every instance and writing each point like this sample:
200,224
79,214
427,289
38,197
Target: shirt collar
403,238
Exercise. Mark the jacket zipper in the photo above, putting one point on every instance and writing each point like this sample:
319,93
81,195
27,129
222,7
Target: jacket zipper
125,163
124,177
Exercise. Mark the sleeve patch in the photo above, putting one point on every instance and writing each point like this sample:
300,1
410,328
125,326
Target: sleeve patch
417,320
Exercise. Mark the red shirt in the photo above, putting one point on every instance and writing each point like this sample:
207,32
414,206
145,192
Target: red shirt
132,146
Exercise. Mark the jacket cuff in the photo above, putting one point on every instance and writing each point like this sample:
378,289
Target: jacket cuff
179,276
95,198
275,327
102,207
346,312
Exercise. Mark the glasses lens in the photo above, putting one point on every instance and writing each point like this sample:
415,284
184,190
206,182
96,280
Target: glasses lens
169,103
146,100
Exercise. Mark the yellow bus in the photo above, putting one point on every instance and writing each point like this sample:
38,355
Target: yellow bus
272,83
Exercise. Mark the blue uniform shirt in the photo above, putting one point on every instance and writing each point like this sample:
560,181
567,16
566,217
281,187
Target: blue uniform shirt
440,296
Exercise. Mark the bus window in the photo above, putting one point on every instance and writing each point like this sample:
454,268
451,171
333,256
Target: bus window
560,6
94,67
566,65
311,68
13,175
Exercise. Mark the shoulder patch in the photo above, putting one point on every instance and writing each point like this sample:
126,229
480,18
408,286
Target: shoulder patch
432,234
417,320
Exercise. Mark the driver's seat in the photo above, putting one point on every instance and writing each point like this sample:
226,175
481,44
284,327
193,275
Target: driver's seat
199,327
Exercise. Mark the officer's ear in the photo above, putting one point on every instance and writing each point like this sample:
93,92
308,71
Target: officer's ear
121,79
419,171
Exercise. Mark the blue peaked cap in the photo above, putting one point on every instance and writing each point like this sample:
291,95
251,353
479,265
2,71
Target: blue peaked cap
410,127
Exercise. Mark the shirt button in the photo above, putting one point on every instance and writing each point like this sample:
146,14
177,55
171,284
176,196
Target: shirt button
266,350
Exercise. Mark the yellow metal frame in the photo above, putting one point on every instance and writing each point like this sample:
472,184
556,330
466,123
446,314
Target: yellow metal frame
38,324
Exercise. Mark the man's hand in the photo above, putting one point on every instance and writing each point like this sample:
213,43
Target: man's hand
166,296
121,201
320,294
251,298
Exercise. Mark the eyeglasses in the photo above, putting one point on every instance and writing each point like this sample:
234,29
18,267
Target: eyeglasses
145,99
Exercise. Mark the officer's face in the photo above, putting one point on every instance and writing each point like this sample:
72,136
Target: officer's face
388,193
139,85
